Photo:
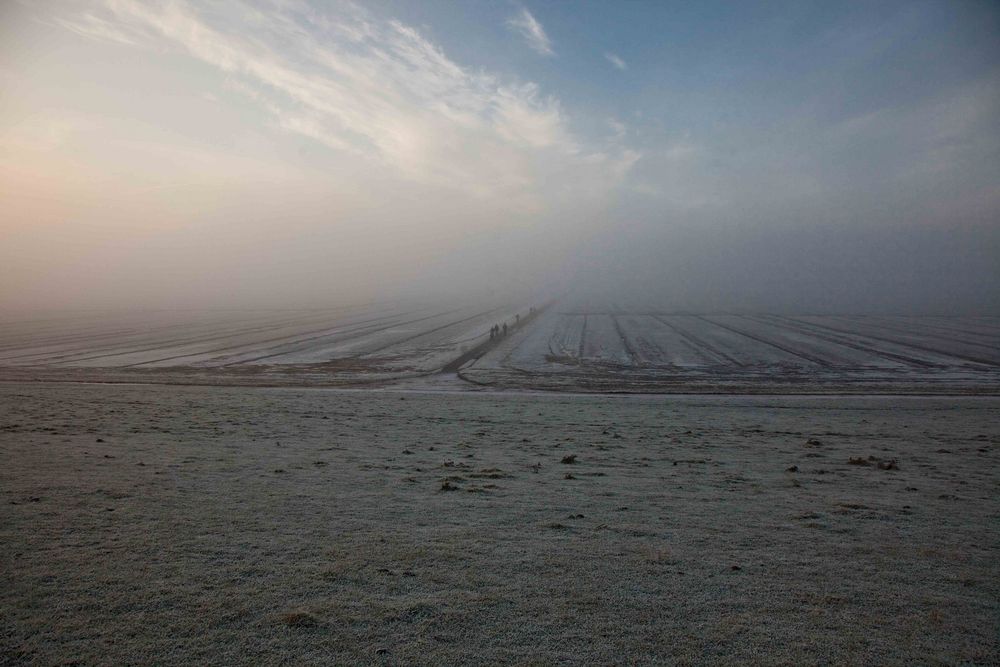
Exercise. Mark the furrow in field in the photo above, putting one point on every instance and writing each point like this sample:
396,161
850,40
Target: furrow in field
566,340
255,351
916,331
876,349
964,329
179,348
437,348
834,351
603,343
676,322
633,357
776,338
934,354
162,338
790,357
658,344
409,340
71,333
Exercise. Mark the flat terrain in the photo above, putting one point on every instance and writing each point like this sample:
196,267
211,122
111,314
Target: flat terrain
183,525
359,343
620,351
562,349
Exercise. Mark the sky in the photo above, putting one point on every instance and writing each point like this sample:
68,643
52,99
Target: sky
776,156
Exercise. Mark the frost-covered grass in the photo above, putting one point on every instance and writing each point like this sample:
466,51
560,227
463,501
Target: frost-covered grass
182,525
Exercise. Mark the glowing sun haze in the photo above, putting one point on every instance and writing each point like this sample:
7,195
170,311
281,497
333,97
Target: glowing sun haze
285,153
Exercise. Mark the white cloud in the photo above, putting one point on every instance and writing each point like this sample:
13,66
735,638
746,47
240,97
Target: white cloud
616,60
618,128
378,91
534,34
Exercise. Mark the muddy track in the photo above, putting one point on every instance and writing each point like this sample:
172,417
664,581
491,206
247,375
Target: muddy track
455,365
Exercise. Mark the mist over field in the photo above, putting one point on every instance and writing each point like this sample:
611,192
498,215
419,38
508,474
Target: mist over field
477,332
781,157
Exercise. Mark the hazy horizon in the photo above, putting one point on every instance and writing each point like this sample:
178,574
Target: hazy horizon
787,157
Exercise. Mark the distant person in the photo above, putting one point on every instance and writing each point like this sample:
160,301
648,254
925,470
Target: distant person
504,328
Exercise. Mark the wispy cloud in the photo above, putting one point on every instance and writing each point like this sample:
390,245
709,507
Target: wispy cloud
376,90
534,34
616,60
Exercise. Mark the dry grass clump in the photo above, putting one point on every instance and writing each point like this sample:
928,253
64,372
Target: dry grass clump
299,619
881,464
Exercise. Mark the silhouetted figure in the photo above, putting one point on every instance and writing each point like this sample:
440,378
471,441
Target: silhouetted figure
504,328
492,332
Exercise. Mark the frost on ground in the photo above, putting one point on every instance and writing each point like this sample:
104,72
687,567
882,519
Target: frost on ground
370,339
181,525
669,352
561,349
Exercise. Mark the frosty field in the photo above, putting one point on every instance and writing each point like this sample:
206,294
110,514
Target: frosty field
181,525
657,352
564,349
